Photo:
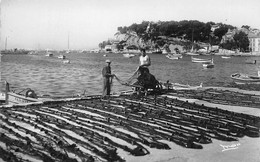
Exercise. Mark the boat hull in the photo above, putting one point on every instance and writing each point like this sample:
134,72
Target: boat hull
208,65
199,60
245,79
15,99
127,55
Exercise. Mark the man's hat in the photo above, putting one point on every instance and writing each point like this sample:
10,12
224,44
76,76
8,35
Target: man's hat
108,61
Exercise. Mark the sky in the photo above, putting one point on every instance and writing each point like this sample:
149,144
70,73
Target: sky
51,24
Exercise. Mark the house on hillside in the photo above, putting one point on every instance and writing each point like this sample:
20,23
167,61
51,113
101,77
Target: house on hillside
254,43
228,36
214,27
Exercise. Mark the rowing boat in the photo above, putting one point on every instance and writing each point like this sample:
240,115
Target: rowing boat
240,78
174,56
178,86
225,57
208,65
128,55
200,60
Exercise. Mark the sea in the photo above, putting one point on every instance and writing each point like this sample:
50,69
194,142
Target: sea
50,76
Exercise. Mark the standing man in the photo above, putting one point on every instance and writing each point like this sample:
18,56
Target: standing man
107,78
145,61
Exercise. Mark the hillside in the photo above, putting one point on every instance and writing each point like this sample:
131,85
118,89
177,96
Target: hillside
184,33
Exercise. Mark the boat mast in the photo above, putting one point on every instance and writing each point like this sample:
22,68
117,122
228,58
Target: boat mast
5,43
68,41
192,39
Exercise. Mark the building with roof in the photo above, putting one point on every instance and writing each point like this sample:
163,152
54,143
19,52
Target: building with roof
254,42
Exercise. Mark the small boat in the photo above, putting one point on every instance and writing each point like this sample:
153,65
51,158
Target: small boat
128,55
225,57
192,54
251,61
66,61
200,60
209,65
61,57
174,56
32,53
12,98
240,78
178,86
49,54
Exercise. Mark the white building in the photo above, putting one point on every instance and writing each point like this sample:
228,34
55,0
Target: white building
254,44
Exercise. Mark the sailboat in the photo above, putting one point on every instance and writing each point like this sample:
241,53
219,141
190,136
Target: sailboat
192,53
68,51
13,51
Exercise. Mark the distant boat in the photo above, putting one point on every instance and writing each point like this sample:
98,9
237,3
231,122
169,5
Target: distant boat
174,56
157,51
66,61
251,61
240,78
225,57
32,53
49,54
200,60
61,57
209,65
192,54
127,55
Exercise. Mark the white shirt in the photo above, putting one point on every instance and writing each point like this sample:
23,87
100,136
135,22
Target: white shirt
144,60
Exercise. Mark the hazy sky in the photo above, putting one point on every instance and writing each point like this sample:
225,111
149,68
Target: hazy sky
48,23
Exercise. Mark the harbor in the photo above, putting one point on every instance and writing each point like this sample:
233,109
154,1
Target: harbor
180,120
129,81
129,127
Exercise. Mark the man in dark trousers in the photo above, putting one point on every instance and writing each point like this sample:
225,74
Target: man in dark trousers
107,78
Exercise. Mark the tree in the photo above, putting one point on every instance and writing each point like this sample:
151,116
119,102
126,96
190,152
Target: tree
242,41
246,27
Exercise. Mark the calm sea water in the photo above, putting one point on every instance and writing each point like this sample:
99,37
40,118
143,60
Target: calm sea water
50,76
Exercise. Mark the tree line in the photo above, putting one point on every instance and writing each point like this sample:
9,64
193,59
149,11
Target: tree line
191,30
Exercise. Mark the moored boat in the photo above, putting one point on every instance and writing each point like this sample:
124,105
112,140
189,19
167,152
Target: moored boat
225,57
251,61
49,54
208,65
12,98
128,55
61,57
174,56
200,60
66,61
241,78
192,54
178,86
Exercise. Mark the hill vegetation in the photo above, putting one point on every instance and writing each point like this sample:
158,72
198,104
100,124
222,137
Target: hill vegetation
157,34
